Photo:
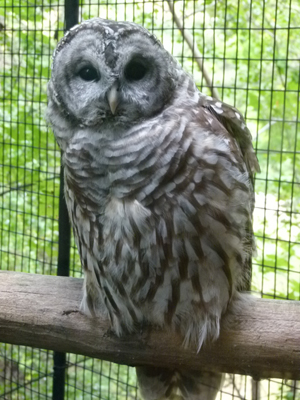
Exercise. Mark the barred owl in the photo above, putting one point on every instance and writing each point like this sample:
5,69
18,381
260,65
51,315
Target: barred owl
158,185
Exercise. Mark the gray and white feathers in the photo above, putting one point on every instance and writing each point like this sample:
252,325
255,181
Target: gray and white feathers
158,182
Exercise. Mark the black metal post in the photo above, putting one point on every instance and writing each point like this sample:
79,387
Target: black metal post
64,241
63,267
71,13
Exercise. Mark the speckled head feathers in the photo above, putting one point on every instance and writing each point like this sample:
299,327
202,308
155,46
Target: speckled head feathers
109,29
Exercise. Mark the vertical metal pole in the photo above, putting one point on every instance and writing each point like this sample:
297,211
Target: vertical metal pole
71,13
64,241
255,389
63,267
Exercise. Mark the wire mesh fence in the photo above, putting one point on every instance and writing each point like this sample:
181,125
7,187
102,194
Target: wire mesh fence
244,52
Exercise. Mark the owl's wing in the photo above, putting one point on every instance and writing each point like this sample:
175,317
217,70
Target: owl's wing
235,124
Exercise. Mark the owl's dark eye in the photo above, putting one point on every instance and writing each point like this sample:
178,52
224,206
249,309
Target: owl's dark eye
89,74
135,70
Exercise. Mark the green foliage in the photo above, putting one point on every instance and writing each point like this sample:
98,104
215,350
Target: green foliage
251,52
29,157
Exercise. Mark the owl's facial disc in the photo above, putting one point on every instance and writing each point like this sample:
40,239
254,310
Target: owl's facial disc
101,75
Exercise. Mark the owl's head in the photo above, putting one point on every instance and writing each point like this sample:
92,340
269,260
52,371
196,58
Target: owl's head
115,72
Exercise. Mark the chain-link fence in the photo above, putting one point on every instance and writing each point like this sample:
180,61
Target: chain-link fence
245,52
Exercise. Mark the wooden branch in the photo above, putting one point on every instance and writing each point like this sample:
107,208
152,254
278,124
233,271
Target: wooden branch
195,51
262,339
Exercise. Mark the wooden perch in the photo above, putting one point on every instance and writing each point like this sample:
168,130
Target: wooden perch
262,340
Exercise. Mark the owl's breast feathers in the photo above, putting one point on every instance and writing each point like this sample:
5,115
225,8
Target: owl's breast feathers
162,217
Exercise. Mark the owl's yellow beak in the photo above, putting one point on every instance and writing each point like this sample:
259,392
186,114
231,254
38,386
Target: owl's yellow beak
113,98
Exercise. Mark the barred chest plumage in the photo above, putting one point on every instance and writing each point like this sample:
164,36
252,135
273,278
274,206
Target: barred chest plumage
161,215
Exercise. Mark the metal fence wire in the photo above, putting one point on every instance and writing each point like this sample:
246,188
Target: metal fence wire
250,51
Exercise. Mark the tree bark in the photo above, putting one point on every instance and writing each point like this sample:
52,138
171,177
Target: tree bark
260,338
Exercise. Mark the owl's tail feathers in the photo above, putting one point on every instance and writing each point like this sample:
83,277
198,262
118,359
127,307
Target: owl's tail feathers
164,384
